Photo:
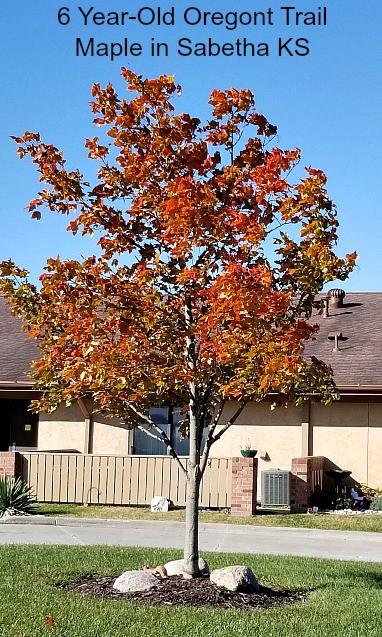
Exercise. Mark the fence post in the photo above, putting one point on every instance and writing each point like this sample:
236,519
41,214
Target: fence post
244,486
9,463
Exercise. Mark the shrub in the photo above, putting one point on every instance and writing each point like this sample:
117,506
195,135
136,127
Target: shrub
16,497
372,491
376,504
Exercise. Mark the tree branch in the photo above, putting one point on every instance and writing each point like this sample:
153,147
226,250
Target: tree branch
211,438
230,422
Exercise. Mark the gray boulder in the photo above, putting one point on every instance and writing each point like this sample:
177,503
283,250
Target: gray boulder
131,581
175,567
235,578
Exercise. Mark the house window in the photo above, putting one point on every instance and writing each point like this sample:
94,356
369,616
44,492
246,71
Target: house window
168,419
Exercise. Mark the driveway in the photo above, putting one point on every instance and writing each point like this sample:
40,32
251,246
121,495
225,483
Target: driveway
229,538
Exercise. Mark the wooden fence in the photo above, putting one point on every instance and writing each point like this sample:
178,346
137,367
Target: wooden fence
133,480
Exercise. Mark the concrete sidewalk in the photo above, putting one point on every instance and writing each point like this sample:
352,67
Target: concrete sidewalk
229,538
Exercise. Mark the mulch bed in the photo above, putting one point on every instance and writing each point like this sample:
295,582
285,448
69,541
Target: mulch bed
197,593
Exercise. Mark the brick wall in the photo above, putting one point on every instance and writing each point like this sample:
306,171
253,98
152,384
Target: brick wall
299,486
244,486
307,476
9,463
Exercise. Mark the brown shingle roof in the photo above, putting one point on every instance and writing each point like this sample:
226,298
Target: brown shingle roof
357,364
359,361
16,349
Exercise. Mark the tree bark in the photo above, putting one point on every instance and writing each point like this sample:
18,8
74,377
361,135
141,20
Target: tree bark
191,543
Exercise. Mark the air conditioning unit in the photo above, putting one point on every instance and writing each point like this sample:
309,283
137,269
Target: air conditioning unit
275,487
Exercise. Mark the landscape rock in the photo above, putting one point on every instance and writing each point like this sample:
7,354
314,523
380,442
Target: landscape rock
175,567
235,578
159,504
132,581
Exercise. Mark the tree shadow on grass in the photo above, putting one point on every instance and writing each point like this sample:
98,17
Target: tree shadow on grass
370,577
371,580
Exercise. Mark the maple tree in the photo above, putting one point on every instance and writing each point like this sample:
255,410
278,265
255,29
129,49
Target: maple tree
185,303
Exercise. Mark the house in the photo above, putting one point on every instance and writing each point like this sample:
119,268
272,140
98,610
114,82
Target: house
348,432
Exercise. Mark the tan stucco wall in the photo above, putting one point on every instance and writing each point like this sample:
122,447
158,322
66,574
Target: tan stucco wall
374,442
109,436
276,434
63,429
350,434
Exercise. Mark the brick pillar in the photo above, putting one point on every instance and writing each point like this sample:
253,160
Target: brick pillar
9,463
300,485
244,486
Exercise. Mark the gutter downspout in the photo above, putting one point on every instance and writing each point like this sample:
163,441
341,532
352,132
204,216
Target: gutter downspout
88,436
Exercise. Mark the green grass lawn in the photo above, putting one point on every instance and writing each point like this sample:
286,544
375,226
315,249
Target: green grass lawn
344,599
331,522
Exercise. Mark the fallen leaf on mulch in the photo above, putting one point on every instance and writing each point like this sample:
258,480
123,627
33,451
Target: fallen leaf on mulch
197,593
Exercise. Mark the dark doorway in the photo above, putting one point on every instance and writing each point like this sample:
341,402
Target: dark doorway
18,426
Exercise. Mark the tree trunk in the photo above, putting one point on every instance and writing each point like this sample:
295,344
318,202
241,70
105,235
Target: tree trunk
191,544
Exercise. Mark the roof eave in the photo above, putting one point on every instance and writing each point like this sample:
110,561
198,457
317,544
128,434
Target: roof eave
361,390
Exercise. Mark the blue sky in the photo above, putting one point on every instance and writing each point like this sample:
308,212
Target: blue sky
328,103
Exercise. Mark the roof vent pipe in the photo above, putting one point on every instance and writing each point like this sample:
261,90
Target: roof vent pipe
325,300
336,336
336,296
